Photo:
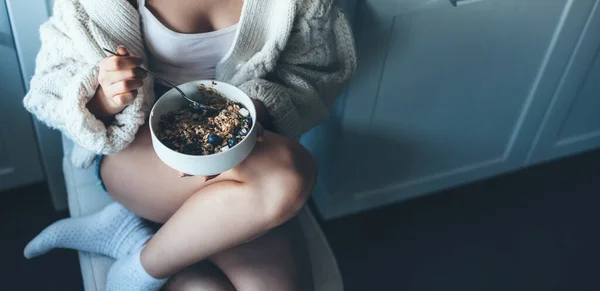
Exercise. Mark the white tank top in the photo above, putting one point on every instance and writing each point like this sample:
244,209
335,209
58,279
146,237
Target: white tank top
181,57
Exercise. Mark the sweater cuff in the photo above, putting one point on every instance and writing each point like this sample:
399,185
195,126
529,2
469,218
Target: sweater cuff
81,125
281,110
64,107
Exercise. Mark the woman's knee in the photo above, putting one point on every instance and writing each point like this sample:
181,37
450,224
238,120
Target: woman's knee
200,277
273,261
290,181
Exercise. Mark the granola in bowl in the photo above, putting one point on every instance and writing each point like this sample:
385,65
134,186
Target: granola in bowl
193,132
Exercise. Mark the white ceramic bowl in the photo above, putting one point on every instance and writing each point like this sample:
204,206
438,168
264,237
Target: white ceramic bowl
202,165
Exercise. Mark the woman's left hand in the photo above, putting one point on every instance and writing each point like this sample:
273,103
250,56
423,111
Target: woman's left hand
206,178
262,117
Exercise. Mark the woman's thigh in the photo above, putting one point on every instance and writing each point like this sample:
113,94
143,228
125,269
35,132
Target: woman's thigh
139,180
278,260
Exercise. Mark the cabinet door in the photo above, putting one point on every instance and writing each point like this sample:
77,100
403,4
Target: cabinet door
572,124
19,159
442,96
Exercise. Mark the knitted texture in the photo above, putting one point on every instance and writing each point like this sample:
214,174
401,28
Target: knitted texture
128,274
115,232
294,55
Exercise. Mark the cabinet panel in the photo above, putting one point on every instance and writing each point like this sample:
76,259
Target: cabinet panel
572,124
25,24
583,121
19,160
444,95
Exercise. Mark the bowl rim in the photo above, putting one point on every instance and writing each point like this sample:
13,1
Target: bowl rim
197,83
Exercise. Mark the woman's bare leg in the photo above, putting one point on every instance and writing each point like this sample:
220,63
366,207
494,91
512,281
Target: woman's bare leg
277,260
263,192
201,276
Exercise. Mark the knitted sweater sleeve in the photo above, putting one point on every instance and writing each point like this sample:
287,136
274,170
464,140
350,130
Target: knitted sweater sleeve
66,78
316,63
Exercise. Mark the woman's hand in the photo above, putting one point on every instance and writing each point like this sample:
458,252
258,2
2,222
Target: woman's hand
262,116
120,77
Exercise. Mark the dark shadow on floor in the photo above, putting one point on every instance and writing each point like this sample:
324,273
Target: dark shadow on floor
534,230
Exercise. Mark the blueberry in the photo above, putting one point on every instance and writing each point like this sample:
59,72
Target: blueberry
215,139
169,144
249,121
189,148
243,132
169,118
232,142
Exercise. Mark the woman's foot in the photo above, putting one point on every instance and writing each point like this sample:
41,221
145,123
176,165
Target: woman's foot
128,274
114,231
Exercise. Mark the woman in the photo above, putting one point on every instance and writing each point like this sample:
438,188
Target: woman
230,232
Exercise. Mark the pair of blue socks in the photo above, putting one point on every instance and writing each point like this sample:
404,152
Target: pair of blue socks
115,232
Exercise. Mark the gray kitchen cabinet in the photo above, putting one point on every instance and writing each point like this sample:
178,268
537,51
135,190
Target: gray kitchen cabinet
19,158
446,95
572,122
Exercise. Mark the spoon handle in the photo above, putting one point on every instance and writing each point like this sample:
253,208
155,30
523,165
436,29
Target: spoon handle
166,81
196,105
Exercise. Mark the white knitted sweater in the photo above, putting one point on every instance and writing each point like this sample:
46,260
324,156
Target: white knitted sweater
293,55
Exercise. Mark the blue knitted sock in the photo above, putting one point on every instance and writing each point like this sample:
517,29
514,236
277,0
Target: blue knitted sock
114,231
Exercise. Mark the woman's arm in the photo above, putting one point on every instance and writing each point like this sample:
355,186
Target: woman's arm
63,82
318,61
66,79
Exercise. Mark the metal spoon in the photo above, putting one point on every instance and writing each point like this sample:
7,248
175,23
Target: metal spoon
195,104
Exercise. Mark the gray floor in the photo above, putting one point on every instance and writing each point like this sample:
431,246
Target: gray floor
531,230
23,214
534,230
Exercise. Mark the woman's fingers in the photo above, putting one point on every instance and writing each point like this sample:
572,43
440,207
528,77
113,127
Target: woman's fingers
123,92
260,132
123,87
125,98
206,178
120,77
122,51
129,74
120,63
184,175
